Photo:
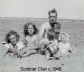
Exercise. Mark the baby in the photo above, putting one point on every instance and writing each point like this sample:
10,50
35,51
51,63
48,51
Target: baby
64,45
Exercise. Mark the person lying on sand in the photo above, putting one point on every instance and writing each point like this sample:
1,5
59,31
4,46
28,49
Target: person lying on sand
13,44
31,39
64,45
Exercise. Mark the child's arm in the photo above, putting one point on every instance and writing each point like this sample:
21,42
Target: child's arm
25,42
53,43
7,46
5,53
70,49
60,49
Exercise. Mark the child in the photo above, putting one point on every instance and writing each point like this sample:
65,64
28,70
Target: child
52,47
13,44
57,28
64,45
49,44
31,40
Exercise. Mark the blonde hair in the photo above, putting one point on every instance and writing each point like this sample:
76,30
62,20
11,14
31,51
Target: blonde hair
67,36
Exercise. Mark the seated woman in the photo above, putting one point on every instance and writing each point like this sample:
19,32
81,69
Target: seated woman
13,44
31,39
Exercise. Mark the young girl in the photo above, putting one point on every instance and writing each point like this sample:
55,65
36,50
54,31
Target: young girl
31,39
64,45
13,44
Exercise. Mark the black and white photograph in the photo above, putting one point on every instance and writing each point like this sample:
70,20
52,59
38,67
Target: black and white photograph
41,36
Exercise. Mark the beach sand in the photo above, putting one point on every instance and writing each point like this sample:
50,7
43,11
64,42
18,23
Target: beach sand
75,29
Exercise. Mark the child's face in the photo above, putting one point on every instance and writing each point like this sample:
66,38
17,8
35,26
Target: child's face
50,34
63,38
56,28
30,29
13,39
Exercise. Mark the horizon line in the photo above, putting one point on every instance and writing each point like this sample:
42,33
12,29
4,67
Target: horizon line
34,18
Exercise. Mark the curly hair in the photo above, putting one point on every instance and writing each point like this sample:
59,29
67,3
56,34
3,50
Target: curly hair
7,38
52,11
26,29
58,25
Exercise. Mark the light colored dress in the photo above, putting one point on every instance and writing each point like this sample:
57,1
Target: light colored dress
64,48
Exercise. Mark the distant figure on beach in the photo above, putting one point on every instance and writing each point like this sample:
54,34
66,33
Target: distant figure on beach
64,45
13,44
49,25
31,39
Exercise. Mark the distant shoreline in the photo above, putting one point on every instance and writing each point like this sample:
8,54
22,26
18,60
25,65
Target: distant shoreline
36,18
46,19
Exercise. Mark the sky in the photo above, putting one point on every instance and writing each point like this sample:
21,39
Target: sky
66,9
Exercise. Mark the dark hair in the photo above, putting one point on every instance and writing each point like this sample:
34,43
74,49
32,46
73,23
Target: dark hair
58,25
26,29
7,38
52,11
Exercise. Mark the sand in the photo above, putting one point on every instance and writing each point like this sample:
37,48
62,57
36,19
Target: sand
75,29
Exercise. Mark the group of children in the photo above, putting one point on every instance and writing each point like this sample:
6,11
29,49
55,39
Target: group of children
52,45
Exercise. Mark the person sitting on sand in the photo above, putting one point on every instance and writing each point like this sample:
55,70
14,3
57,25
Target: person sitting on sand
13,44
49,45
64,45
31,39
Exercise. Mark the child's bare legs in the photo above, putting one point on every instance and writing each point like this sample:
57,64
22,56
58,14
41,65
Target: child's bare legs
48,55
29,52
42,49
23,51
68,55
58,54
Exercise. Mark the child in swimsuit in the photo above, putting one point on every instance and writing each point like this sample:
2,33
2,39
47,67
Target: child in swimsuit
31,39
